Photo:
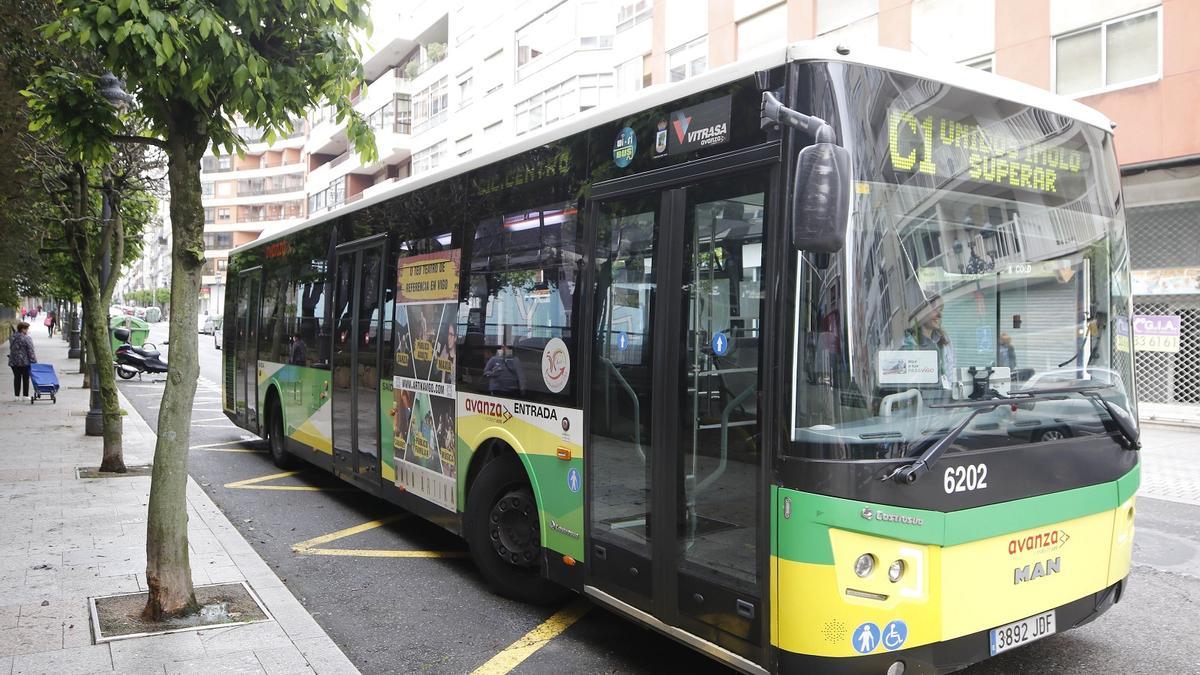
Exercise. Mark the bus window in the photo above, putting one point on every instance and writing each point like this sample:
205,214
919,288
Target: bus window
305,340
520,297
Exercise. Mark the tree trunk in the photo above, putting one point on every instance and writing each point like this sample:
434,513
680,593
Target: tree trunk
97,332
168,570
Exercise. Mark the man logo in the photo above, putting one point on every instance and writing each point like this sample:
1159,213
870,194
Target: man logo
1037,570
681,123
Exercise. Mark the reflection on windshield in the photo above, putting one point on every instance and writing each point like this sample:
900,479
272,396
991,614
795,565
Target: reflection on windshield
958,287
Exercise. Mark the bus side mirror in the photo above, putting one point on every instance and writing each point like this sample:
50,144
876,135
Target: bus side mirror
821,198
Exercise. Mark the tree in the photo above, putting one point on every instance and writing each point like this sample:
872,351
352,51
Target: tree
195,68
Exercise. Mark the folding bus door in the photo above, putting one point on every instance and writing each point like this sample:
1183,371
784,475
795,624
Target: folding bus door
674,460
357,332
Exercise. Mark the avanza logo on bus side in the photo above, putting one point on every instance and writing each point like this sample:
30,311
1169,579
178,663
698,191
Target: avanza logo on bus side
496,411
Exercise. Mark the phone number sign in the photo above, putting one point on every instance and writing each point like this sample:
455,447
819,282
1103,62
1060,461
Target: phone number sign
1156,333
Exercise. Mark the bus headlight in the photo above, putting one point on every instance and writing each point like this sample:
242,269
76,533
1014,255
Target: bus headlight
864,565
895,571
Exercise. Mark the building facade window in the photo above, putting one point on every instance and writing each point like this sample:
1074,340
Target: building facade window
492,131
546,33
218,241
466,87
492,72
428,159
1118,53
834,14
462,146
429,106
562,101
206,189
687,61
765,28
984,63
630,14
629,75
224,215
395,116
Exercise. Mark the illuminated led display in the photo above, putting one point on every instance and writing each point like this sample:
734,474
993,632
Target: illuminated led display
988,155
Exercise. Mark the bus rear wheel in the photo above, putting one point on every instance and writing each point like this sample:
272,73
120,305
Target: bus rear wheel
503,533
275,438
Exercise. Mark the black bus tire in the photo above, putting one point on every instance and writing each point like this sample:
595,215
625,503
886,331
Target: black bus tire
503,535
275,438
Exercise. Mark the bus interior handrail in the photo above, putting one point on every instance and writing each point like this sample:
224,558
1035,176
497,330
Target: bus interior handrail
720,470
637,408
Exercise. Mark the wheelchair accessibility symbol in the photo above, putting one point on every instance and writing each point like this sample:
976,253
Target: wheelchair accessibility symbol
894,635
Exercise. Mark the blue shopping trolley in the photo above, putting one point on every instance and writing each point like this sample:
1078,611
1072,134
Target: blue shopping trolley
45,382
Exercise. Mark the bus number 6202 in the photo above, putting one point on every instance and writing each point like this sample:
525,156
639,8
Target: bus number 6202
965,478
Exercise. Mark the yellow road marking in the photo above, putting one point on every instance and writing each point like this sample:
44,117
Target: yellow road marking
254,484
514,654
251,450
309,546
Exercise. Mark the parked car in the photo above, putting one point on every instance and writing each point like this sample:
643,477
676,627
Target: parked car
206,324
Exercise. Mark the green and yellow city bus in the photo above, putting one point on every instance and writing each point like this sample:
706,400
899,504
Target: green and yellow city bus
817,362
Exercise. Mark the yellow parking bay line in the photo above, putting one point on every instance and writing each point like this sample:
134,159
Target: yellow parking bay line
517,652
309,546
256,484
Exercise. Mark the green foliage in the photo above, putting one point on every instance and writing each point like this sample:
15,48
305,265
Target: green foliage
146,298
194,66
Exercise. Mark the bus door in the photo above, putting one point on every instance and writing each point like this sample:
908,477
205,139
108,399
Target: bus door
357,330
674,460
245,348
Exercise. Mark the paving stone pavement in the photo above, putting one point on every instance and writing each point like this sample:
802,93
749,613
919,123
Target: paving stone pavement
63,540
1171,462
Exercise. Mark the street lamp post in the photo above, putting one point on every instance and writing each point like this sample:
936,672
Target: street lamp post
111,90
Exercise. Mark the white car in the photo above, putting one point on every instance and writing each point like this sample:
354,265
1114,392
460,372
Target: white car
206,324
217,332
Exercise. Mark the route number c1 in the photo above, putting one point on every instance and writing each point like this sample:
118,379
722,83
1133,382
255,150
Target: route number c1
965,478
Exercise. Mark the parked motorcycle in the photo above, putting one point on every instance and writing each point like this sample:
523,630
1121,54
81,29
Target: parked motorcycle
130,361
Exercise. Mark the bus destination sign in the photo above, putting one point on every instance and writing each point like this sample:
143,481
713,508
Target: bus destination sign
937,145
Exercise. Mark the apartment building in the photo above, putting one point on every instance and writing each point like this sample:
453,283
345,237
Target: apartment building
245,196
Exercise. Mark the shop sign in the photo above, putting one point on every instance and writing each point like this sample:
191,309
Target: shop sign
1156,333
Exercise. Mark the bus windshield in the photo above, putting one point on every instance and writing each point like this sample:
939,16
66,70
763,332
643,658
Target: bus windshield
986,257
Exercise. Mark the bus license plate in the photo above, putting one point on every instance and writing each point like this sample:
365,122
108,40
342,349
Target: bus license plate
1021,632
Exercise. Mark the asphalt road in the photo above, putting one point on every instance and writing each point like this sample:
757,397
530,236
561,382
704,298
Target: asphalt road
393,612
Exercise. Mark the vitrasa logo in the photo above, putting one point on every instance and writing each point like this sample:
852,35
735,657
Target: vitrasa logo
488,409
1042,541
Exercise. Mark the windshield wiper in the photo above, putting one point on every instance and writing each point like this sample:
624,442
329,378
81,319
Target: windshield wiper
909,473
1120,417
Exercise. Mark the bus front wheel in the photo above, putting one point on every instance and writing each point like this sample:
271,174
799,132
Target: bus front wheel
503,532
275,437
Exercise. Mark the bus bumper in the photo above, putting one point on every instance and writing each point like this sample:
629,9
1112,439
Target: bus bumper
951,655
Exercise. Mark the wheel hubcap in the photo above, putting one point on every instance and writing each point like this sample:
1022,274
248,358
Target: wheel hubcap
513,528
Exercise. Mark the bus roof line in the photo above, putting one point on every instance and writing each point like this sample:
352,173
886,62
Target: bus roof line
813,50
953,74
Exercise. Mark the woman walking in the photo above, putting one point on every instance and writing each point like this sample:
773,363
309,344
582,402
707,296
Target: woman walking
20,355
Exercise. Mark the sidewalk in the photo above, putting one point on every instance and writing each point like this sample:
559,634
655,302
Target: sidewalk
1166,414
63,540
